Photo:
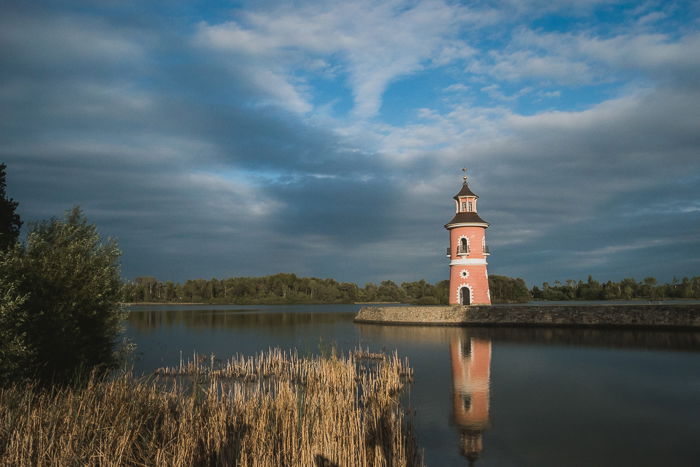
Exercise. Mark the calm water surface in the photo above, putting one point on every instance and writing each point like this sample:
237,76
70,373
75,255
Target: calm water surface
494,397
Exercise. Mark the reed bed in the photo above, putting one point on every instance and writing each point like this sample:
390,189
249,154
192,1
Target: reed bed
270,409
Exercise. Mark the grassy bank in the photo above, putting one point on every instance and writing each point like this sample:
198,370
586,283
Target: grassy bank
271,409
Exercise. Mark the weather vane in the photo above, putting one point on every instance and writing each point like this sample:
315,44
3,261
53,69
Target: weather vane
464,169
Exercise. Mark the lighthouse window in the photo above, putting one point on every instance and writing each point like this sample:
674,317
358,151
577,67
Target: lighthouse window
471,207
464,205
463,246
466,402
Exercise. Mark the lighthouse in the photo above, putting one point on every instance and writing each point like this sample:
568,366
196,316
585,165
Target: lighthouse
469,280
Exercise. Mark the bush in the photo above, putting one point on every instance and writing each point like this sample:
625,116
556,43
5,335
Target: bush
13,351
59,302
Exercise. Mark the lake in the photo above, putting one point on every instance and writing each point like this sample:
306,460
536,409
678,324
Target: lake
489,396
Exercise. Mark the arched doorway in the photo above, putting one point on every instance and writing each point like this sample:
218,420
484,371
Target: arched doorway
464,296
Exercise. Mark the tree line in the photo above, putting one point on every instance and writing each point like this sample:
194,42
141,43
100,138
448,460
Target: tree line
626,289
287,288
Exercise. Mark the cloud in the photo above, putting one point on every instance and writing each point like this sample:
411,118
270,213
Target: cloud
56,42
584,57
376,42
495,92
549,94
526,64
457,87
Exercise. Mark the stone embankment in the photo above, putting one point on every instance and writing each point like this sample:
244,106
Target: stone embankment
640,316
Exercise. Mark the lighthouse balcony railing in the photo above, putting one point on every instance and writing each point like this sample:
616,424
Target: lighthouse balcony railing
462,250
486,250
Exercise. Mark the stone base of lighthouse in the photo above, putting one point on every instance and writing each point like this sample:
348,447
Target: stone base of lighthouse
469,284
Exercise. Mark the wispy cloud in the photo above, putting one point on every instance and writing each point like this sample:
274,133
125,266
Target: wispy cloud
376,43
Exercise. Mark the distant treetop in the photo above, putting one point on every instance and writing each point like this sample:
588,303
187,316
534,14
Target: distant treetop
10,222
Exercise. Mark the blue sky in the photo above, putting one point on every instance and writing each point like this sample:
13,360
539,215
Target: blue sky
326,138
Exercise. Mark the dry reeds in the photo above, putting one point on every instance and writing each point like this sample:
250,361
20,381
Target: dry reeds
272,409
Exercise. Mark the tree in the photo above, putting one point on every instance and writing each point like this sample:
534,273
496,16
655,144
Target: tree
369,292
388,291
508,289
442,291
648,288
62,311
9,220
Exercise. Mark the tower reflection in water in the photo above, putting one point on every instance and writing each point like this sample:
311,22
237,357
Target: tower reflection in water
471,368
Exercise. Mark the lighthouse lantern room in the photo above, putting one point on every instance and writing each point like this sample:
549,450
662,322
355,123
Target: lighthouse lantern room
469,281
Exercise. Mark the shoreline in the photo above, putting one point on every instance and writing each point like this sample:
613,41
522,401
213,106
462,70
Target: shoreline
643,316
252,304
543,303
164,303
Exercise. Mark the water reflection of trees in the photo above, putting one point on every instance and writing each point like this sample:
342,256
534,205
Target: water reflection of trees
586,337
150,320
579,337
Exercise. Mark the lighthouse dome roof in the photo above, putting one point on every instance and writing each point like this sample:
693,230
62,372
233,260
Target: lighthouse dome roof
465,191
466,218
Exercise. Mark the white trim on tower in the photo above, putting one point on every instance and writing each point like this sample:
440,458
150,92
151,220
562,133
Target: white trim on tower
467,224
468,262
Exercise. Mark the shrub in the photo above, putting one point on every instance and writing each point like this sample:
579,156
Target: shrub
59,310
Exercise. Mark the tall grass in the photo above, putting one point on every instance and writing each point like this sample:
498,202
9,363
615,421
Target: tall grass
271,409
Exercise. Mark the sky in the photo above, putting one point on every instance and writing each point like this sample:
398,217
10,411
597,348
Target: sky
327,138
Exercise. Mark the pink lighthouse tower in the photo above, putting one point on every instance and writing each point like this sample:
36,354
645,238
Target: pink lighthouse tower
469,280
